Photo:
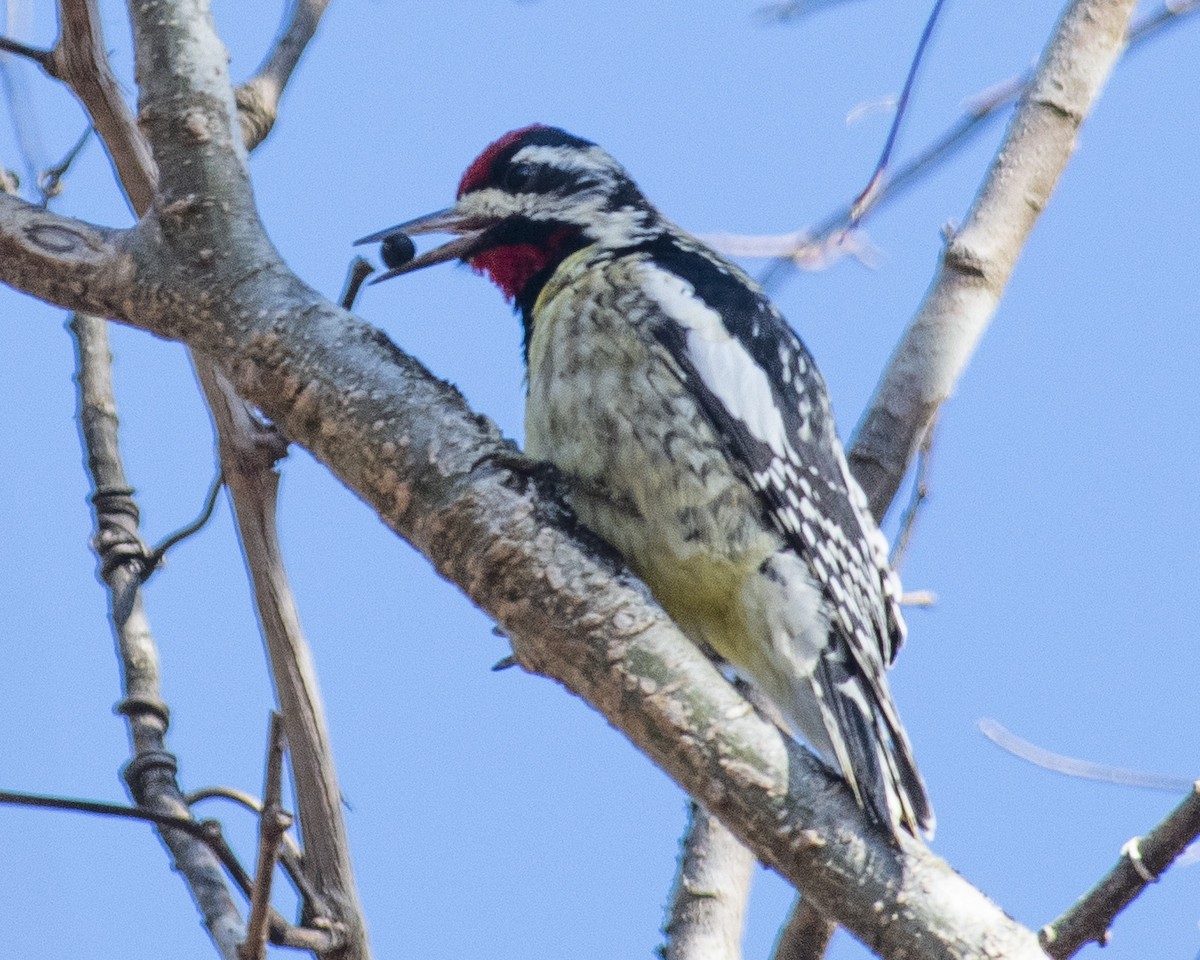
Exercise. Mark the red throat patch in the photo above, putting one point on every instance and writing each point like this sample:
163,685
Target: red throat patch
480,170
511,268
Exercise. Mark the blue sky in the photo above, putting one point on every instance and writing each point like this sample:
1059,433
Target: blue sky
496,811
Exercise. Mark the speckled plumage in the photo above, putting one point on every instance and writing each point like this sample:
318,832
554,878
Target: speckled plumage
698,439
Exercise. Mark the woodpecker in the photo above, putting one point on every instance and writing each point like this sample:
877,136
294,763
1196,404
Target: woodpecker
695,436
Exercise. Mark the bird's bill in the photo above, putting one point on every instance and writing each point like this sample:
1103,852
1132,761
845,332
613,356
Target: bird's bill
471,238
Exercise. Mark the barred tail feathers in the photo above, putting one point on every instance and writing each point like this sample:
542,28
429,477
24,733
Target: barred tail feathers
863,735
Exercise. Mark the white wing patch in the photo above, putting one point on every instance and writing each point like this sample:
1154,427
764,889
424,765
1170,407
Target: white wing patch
728,371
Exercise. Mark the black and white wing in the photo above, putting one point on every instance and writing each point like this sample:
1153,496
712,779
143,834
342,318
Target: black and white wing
760,390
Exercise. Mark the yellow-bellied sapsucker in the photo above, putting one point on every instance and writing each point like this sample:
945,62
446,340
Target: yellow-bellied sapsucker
696,437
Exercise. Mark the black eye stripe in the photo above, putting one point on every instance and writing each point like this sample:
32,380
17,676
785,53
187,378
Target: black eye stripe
543,178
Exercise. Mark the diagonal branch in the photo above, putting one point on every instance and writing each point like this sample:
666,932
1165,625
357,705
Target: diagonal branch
980,256
258,98
407,444
1143,861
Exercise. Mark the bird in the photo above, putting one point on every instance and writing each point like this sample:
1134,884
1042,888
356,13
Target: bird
694,434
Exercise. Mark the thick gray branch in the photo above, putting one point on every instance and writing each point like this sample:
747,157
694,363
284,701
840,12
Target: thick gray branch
407,444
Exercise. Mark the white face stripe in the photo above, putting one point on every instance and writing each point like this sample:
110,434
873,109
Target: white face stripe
568,158
726,369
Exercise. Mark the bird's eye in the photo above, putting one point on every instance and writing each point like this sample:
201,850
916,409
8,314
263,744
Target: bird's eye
519,177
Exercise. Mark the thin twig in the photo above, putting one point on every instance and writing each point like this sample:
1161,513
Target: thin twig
273,823
36,54
979,109
1074,767
1143,861
50,180
154,558
920,493
207,832
866,200
200,829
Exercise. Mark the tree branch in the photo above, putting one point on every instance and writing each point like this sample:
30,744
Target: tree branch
979,257
258,98
1143,860
120,552
407,443
707,907
806,934
248,454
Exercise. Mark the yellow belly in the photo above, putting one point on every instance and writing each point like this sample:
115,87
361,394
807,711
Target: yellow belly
608,407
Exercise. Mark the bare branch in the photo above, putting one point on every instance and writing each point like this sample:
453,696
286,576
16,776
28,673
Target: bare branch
80,60
797,249
806,934
979,257
150,775
272,826
707,907
248,451
1143,860
258,98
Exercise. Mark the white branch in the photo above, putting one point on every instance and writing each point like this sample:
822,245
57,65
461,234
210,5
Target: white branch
979,258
